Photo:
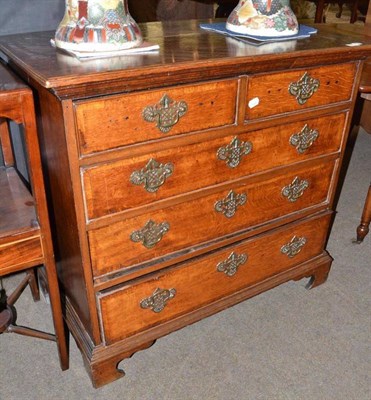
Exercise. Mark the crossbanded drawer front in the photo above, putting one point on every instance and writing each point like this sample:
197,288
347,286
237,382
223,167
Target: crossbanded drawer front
191,285
117,121
120,185
161,232
278,93
19,252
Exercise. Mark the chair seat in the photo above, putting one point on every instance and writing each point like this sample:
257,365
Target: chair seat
17,211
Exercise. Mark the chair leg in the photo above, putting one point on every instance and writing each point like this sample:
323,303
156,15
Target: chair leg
18,291
340,12
22,330
60,328
363,228
8,315
319,11
354,13
37,181
32,281
6,144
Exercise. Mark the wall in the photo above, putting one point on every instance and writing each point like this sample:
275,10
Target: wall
19,16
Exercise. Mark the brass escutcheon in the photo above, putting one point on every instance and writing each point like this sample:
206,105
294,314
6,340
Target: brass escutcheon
234,151
229,205
158,300
304,88
231,264
304,139
295,189
150,234
166,113
294,247
152,176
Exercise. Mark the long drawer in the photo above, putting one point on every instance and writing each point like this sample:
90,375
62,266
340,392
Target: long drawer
120,185
168,294
157,234
282,92
120,120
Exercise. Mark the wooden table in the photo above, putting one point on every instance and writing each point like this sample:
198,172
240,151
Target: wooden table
185,181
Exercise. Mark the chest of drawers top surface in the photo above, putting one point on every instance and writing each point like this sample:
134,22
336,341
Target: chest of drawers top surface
187,54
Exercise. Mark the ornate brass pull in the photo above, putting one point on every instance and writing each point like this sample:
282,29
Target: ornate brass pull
166,113
229,205
295,189
231,264
158,300
150,234
234,151
304,139
152,176
294,247
304,88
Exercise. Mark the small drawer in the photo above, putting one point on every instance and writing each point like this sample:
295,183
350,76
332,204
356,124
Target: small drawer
120,185
20,252
121,120
166,295
178,227
279,93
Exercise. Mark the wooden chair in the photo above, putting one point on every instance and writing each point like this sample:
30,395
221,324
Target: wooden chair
25,238
365,91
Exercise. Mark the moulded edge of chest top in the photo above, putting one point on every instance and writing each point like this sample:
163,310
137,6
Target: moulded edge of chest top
124,81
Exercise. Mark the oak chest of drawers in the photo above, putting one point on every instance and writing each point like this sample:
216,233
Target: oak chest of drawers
185,181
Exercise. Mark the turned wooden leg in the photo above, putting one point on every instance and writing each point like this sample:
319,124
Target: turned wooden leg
364,226
23,330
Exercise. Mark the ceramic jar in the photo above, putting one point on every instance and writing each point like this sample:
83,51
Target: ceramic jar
97,26
270,18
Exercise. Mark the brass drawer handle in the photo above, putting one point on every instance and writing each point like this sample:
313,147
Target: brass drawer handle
304,88
295,189
304,139
234,151
152,176
294,247
231,264
150,234
166,113
158,300
229,205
